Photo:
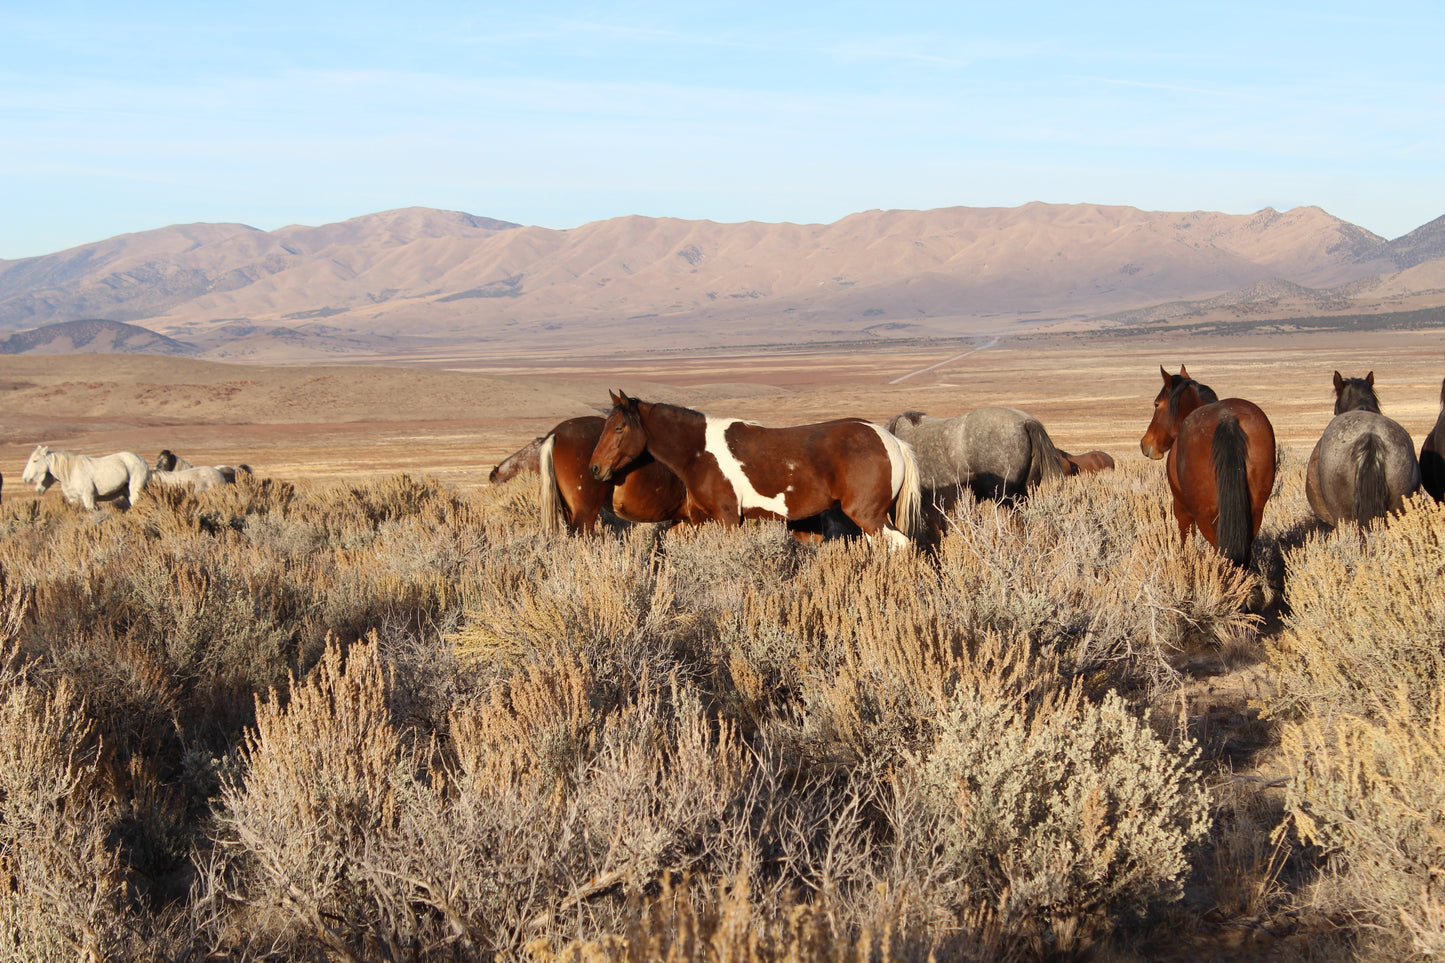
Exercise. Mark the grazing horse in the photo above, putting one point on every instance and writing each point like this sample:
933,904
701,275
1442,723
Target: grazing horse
1432,455
735,469
997,452
1087,463
523,459
119,477
640,491
1364,464
1221,461
199,478
168,460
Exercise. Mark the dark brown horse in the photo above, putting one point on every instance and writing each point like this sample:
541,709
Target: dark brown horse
735,469
1432,455
1086,463
1221,460
1364,464
643,491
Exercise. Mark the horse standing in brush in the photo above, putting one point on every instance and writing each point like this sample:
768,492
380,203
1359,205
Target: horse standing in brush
1364,464
997,452
1221,462
526,458
1085,463
641,491
734,469
1432,455
119,477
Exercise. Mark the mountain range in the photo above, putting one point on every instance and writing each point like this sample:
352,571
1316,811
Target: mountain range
423,283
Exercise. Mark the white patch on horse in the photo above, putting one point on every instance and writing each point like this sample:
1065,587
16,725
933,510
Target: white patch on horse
715,441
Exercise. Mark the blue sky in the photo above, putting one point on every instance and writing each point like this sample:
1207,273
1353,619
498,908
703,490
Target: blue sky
124,117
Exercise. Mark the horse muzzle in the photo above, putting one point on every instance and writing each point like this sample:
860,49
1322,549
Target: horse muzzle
1150,452
600,473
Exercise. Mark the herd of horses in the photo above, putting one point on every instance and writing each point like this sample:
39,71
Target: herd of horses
119,477
652,462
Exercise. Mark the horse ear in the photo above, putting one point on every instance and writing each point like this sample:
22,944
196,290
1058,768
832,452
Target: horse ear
1184,373
1370,379
1166,374
1339,381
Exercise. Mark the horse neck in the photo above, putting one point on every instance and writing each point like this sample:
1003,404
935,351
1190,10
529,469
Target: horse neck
675,435
1192,395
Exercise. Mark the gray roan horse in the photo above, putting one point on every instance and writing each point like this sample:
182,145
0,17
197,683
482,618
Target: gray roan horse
997,452
1432,455
1364,464
169,461
118,477
526,458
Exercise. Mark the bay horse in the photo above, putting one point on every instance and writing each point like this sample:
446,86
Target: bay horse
1364,464
1432,455
997,452
119,477
734,469
1085,463
641,491
1221,462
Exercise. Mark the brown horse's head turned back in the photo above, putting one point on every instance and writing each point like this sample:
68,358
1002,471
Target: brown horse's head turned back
623,437
1180,395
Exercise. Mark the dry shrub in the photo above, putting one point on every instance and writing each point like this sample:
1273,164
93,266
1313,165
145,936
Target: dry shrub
62,882
1092,568
1366,615
1071,813
1371,793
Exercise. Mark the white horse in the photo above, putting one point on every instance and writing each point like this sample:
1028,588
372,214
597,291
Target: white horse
198,478
118,477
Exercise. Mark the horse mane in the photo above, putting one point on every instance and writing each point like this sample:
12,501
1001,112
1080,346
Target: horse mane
914,418
1179,384
1356,394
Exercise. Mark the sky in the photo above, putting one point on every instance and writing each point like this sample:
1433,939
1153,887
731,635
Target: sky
117,118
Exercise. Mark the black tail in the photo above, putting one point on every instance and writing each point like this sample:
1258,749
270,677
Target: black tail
1372,493
1234,528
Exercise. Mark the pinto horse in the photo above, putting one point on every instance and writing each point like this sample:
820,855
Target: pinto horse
1221,460
641,491
1364,464
735,469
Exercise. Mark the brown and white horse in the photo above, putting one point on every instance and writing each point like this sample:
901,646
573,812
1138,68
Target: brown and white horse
736,469
1221,461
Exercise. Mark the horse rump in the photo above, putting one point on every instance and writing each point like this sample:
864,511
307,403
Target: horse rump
1234,528
553,508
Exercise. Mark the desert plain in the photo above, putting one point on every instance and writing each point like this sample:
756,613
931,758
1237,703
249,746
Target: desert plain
454,418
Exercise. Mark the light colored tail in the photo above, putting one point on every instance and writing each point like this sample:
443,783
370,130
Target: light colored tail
908,503
553,507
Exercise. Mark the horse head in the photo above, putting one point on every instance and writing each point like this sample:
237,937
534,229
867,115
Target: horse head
37,469
1180,395
1356,394
166,460
623,437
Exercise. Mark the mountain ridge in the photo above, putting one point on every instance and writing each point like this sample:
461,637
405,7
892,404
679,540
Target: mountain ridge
425,279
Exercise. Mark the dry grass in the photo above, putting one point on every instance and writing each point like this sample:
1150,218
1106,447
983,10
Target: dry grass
392,720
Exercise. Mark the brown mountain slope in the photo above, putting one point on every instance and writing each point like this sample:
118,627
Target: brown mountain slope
399,281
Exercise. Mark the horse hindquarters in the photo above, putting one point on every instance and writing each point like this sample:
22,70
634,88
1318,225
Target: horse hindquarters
1432,460
1234,529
